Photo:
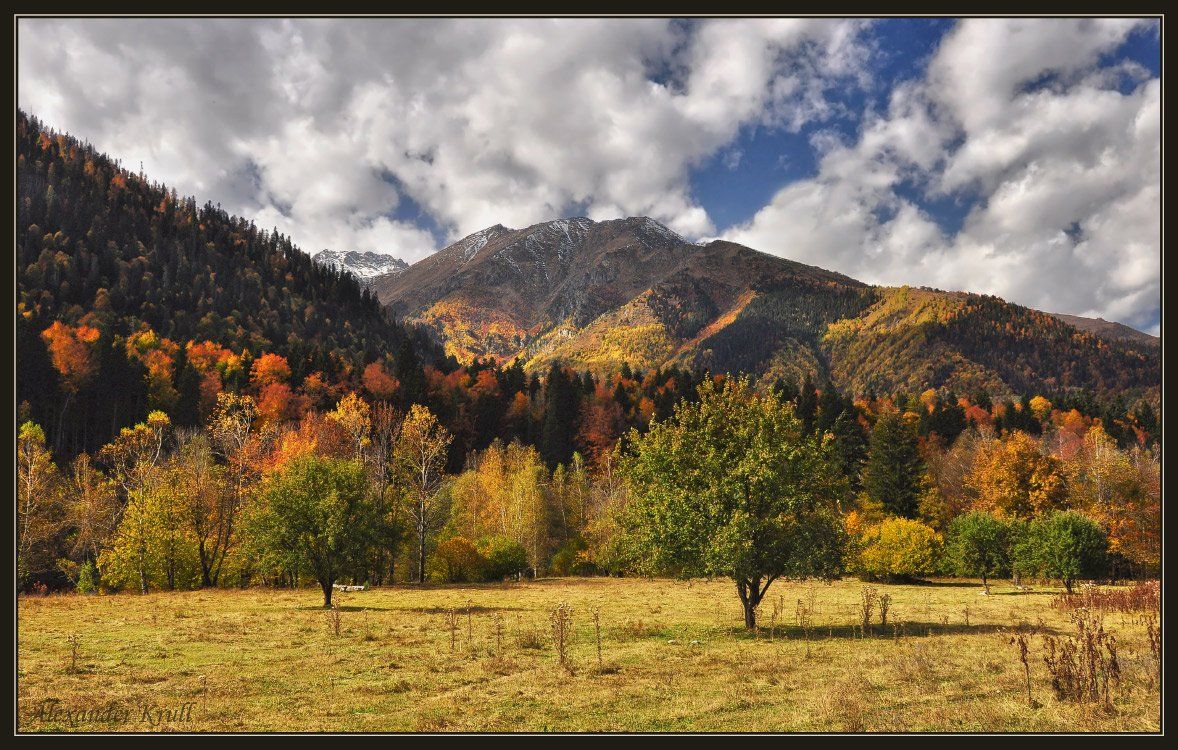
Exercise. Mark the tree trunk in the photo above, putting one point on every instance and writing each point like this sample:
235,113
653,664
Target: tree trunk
985,584
206,572
750,615
326,584
749,593
421,542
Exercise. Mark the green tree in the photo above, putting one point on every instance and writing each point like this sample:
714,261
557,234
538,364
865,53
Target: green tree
505,557
1064,545
733,486
152,546
893,475
979,545
315,514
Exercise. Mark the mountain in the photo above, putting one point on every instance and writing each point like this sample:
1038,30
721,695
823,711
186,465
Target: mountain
363,265
1107,329
596,294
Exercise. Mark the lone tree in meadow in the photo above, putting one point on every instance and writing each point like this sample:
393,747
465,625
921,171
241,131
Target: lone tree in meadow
1064,545
979,545
314,513
733,486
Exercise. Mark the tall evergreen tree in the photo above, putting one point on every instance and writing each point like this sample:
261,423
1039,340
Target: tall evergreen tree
807,404
892,477
560,417
187,411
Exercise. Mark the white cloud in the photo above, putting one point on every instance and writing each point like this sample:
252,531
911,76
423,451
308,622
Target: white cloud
332,129
1064,167
323,128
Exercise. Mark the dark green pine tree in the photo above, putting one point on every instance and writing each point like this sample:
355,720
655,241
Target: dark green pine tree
36,379
830,406
807,404
1148,421
785,390
947,419
560,417
622,398
188,386
850,447
410,372
892,476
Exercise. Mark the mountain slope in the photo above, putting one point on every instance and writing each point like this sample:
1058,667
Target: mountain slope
103,255
597,294
1107,329
363,265
95,239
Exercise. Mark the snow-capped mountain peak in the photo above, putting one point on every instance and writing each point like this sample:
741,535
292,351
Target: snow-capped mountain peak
363,265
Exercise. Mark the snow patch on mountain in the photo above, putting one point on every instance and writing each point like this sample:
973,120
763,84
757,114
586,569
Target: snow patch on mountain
469,246
661,231
363,265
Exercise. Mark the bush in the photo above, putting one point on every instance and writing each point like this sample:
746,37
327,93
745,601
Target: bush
899,548
979,545
459,561
87,578
504,557
572,559
1066,546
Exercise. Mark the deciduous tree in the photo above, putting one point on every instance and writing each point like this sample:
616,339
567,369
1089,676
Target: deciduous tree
733,486
421,460
314,515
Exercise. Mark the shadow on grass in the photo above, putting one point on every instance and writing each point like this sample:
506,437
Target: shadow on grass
435,586
347,608
908,629
579,580
939,583
475,609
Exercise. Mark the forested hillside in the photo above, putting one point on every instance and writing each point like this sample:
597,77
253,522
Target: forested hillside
118,277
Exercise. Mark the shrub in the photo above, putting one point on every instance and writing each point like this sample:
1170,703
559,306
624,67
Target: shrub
572,560
459,561
899,548
87,578
1143,596
1083,667
504,557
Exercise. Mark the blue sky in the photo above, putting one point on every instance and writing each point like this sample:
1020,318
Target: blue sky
735,182
732,189
1017,157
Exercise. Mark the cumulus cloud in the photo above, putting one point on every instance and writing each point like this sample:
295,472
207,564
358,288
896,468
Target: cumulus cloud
399,135
325,129
1057,159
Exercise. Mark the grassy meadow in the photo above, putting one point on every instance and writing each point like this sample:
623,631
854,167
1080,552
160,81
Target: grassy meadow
674,656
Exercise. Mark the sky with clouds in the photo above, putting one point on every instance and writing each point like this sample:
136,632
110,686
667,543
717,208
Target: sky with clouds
1017,157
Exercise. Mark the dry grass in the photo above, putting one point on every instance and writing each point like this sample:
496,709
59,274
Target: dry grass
674,653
